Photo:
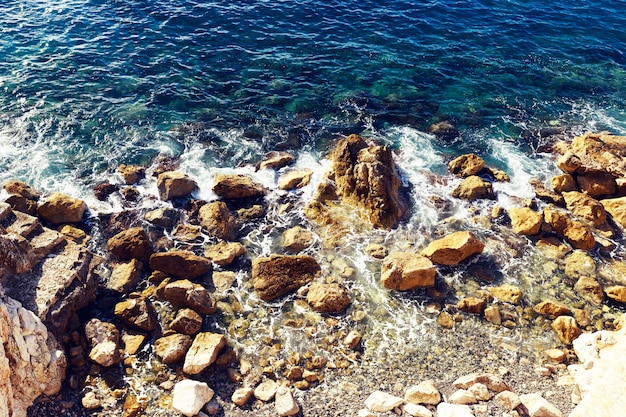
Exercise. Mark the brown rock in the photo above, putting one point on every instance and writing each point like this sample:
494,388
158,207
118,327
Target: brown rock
507,293
616,207
544,194
444,129
552,308
297,238
617,293
569,163
132,406
250,213
472,305
132,342
131,174
175,184
576,233
199,299
295,179
376,251
466,165
224,253
181,264
563,183
176,292
278,275
566,329
585,208
218,221
103,190
19,188
223,281
590,290
232,186
131,243
473,188
188,233
203,352
445,320
403,271
525,221
172,348
104,339
327,298
492,382
163,217
125,276
186,321
493,315
19,203
578,264
553,248
597,184
137,312
277,160
453,248
59,208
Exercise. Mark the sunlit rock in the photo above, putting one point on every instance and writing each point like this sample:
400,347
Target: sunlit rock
60,208
297,238
280,274
217,220
492,382
564,182
597,184
538,406
617,293
187,321
105,342
552,308
466,165
175,184
566,329
616,207
203,352
131,243
585,208
277,160
453,248
188,396
590,290
327,298
234,186
181,264
525,221
131,174
380,401
473,188
125,276
576,233
425,392
137,312
295,179
172,348
507,293
284,402
404,271
224,253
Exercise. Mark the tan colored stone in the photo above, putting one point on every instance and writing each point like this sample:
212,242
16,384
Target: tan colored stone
597,184
525,221
188,396
137,312
224,253
217,220
453,248
175,184
131,243
425,392
352,339
544,193
508,400
104,339
172,348
462,397
590,290
617,293
380,401
563,183
277,160
576,233
493,315
403,271
266,390
445,320
493,382
585,208
125,276
279,274
473,188
235,186
556,355
507,293
187,321
241,396
553,248
60,208
466,165
203,352
131,174
472,305
295,179
297,238
566,329
327,298
552,308
284,402
616,207
578,264
376,251
132,342
538,406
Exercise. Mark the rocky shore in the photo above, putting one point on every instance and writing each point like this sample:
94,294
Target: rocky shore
254,303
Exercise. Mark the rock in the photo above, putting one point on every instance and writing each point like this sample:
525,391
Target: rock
543,193
563,183
130,244
132,407
187,321
508,400
466,165
162,217
417,410
566,329
493,315
172,348
125,276
555,355
578,264
297,238
597,184
575,232
19,203
255,211
175,184
224,253
453,248
280,274
473,305
525,221
616,207
328,298
295,179
241,396
105,342
277,160
507,293
285,403
188,396
617,293
445,320
404,271
480,391
569,163
217,220
553,248
132,342
462,397
590,290
32,362
223,281
585,208
552,308
103,190
234,186
352,339
131,174
474,188
181,264
376,251
203,352
175,291
381,402
200,300
60,208
425,392
137,312
266,390
19,188
539,407
454,410
444,130
492,382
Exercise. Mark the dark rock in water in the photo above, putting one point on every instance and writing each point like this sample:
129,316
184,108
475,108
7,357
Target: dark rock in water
444,130
200,300
130,194
277,160
103,190
162,217
279,275
217,220
131,243
181,264
253,133
137,312
21,189
187,321
22,204
233,186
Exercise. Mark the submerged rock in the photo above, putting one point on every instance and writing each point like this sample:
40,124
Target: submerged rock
444,129
453,248
327,298
280,274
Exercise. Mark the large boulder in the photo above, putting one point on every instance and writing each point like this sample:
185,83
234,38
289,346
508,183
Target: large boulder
453,248
175,184
575,232
237,186
466,165
597,184
60,208
404,271
473,188
181,264
616,207
525,221
277,160
327,298
218,221
585,208
280,274
594,152
131,243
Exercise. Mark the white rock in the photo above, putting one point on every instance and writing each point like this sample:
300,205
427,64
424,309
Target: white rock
539,407
462,396
425,392
242,395
189,396
266,390
284,402
480,391
508,400
381,401
364,412
454,410
417,410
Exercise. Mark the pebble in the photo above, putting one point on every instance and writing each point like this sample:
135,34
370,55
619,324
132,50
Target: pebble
242,395
462,397
90,402
508,400
266,390
480,391
539,407
454,410
425,392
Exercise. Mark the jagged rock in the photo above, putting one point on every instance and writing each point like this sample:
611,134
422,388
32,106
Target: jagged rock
203,352
597,184
508,400
163,217
590,290
103,190
493,315
22,204
444,129
352,339
137,312
403,271
576,233
585,208
224,253
241,396
19,188
473,188
566,329
454,410
297,238
525,221
380,401
617,293
578,264
596,151
480,391
131,243
105,342
473,305
507,293
184,293
125,276
327,298
552,308
187,321
466,165
181,264
60,208
172,348
188,233
217,220
553,248
277,160
425,392
453,248
278,275
493,382
175,291
544,194
132,342
569,163
284,402
538,406
233,186
175,184
266,390
31,360
255,211
188,396
295,179
131,174
616,207
563,183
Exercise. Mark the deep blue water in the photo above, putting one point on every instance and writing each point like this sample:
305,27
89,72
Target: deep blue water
88,84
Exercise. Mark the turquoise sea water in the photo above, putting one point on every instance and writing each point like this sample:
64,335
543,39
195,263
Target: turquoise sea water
88,84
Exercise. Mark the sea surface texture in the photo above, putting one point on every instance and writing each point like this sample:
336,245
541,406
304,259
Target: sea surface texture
213,86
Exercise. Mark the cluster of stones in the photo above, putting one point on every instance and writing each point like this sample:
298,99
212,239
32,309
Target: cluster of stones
473,393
